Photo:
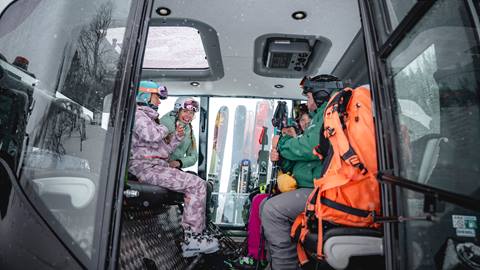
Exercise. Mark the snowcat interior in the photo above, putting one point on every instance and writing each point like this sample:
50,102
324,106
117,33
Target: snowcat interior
240,73
69,71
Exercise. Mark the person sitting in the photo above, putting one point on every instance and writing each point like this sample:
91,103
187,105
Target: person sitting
285,182
152,144
185,155
295,154
302,117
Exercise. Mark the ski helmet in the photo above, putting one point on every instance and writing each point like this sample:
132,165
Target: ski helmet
186,103
321,87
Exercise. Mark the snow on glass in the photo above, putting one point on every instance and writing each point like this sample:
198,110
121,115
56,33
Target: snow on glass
174,47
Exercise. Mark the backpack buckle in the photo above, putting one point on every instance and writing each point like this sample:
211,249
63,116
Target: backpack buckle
361,167
330,131
316,152
351,157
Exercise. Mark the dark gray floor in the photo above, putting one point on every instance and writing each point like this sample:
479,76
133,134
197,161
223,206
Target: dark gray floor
150,240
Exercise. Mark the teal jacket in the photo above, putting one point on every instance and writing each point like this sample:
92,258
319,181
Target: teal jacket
297,155
186,151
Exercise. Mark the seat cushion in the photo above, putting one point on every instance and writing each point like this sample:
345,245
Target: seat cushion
310,243
150,195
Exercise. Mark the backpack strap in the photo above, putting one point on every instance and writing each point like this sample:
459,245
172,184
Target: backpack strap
299,231
336,111
347,209
303,224
337,206
351,157
341,101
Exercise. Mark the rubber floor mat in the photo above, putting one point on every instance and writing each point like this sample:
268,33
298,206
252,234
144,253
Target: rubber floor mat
151,239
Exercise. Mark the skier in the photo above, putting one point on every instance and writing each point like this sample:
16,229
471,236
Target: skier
302,117
185,155
295,153
285,183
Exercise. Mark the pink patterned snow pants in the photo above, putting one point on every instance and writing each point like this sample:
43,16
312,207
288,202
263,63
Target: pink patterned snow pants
194,188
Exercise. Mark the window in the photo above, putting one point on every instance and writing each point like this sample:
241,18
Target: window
166,107
60,71
238,157
397,10
434,71
4,4
448,240
389,14
182,48
171,47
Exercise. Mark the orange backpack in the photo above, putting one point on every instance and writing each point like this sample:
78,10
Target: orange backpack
347,193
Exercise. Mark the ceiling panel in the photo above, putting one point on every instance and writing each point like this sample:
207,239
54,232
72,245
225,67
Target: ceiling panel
238,23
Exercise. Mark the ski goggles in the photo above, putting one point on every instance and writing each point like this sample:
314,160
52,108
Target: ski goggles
162,92
310,86
191,105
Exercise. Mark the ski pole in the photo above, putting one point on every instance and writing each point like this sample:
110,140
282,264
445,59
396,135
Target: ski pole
279,121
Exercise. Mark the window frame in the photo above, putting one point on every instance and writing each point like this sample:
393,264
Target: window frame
385,126
106,235
378,52
122,113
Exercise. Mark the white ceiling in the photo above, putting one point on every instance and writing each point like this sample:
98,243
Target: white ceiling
239,22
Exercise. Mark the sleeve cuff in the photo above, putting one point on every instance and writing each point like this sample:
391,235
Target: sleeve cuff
181,163
179,138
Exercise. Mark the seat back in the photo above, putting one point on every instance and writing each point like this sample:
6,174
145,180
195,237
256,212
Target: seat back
430,158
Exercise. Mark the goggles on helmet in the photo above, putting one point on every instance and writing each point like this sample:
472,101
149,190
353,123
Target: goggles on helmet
311,86
162,92
191,105
152,90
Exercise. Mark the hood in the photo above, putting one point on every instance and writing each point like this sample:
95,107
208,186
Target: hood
148,111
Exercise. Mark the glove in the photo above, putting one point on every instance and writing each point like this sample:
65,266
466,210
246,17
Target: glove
286,182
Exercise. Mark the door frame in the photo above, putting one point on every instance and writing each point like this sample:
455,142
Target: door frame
386,130
121,121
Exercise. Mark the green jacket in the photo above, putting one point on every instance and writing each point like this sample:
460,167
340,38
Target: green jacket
186,151
297,155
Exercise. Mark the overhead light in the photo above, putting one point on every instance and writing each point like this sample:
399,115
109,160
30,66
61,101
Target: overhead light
163,11
299,15
278,85
195,84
